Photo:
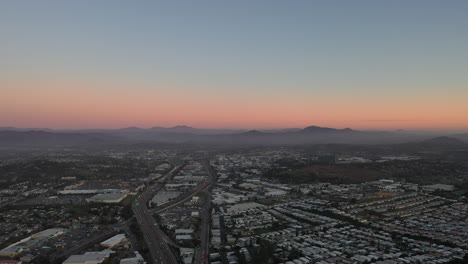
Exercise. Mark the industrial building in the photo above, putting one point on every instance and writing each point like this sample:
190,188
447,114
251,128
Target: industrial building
114,241
88,258
107,198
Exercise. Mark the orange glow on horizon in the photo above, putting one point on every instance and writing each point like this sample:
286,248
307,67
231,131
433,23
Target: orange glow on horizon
66,104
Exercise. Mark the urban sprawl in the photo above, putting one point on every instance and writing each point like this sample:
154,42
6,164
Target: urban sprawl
189,206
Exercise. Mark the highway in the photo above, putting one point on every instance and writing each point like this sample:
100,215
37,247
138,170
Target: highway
158,243
83,244
156,240
202,256
184,198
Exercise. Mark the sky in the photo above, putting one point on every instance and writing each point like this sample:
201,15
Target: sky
234,64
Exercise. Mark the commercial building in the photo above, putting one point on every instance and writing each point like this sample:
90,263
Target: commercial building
114,241
88,258
107,198
163,197
24,244
438,187
48,233
138,259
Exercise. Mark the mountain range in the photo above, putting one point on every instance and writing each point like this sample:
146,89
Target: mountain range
21,137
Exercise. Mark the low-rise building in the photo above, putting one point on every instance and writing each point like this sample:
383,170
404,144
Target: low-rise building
107,198
438,187
114,241
88,258
138,259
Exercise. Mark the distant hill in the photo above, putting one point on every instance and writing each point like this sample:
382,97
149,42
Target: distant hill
312,135
183,129
281,130
317,129
181,134
175,129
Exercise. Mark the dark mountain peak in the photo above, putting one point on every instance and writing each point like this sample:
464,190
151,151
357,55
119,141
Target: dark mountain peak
317,129
131,128
179,127
253,132
182,127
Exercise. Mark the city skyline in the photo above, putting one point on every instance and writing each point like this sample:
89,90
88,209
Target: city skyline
238,65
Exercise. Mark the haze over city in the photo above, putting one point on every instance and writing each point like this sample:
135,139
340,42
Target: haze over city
234,132
369,65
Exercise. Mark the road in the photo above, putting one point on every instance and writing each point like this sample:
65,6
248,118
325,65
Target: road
184,198
130,235
83,244
156,240
202,256
158,243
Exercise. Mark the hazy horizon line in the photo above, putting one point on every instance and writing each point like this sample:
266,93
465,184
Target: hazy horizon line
434,130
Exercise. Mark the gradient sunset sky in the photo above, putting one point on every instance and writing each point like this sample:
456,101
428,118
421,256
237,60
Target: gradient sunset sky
234,64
